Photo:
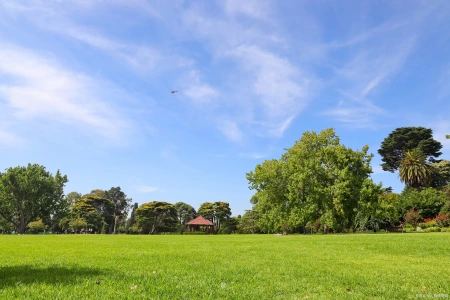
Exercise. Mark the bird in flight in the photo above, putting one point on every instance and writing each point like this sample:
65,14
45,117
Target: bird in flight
174,91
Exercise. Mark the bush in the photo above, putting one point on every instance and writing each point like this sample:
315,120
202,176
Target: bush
412,217
193,233
432,229
428,224
37,226
442,220
445,229
408,228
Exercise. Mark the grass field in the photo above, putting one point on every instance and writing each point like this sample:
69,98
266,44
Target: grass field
372,266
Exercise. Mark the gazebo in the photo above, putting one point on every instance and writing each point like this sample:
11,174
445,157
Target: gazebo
200,224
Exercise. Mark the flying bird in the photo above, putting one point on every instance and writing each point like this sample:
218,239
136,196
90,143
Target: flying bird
174,91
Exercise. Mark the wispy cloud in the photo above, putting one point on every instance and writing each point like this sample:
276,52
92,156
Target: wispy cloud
276,90
256,9
40,88
253,155
359,77
231,130
197,90
146,189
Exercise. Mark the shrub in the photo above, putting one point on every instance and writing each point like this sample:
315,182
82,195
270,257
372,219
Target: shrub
445,229
37,226
194,233
412,217
432,229
442,220
428,224
78,223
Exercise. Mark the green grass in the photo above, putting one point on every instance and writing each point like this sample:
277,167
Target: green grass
359,266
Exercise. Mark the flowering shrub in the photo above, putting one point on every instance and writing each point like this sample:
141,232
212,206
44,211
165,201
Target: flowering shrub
428,224
427,220
442,220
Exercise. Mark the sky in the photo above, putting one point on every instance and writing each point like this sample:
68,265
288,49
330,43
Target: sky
85,87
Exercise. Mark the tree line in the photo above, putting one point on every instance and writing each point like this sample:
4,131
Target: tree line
320,185
32,199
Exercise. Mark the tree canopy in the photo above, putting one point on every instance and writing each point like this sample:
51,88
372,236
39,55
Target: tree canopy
156,216
28,193
316,180
400,140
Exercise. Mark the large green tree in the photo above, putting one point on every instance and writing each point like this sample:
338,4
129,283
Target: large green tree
121,206
316,180
393,147
428,202
441,174
156,216
94,210
28,193
377,207
185,213
217,212
414,170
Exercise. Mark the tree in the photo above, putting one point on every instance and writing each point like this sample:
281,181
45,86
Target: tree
441,174
121,205
222,213
72,197
316,180
95,210
156,216
414,170
78,223
230,226
206,210
132,220
402,139
185,213
248,223
28,193
412,218
377,208
216,212
447,136
427,202
37,226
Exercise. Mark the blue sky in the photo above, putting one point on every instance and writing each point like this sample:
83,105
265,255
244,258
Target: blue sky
85,87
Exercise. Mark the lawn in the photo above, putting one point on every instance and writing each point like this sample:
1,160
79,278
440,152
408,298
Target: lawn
358,266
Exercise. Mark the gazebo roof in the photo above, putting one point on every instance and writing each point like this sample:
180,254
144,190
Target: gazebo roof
200,221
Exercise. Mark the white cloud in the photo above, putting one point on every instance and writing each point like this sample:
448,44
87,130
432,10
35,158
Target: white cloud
231,130
281,90
40,88
198,91
146,189
201,93
253,155
257,9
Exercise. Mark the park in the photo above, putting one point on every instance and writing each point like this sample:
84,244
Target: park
224,149
340,266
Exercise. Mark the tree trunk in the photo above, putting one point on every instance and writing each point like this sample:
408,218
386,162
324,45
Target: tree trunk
116,218
22,222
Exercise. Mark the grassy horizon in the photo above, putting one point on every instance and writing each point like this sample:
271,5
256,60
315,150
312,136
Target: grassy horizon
352,266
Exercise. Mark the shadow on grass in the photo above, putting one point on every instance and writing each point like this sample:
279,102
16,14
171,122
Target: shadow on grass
29,274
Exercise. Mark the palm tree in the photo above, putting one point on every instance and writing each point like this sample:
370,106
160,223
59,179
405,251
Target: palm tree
414,170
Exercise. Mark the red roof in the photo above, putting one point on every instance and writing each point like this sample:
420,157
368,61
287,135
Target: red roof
200,221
